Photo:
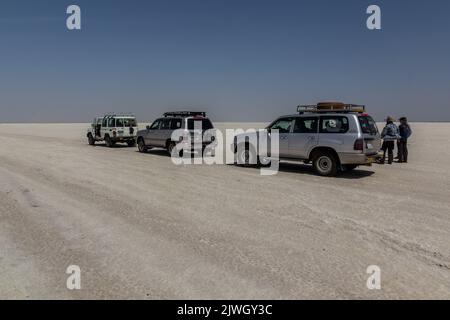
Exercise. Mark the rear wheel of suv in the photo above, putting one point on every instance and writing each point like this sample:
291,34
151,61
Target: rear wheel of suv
109,143
325,164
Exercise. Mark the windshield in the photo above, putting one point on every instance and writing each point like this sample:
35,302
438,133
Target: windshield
368,125
204,123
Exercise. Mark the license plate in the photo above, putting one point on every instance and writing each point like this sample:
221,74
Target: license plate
369,146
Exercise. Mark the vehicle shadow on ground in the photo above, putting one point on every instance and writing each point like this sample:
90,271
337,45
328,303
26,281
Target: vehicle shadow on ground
116,146
308,169
156,152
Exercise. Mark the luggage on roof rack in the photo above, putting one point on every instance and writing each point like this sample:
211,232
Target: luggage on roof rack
331,107
185,114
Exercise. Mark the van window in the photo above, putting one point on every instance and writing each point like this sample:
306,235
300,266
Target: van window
333,124
305,125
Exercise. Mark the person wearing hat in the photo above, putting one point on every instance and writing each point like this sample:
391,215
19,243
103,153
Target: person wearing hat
390,134
402,143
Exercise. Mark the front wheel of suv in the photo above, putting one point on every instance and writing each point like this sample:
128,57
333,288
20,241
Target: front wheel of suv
325,164
141,146
246,156
91,140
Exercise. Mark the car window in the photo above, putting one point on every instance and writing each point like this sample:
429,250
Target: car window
282,125
155,125
119,122
333,124
105,122
305,125
165,124
129,122
176,124
111,122
204,123
368,125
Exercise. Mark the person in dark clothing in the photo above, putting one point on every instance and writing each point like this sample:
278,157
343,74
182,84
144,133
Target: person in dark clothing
402,143
389,135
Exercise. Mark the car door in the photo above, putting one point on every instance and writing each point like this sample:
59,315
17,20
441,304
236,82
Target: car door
164,132
151,137
304,136
284,127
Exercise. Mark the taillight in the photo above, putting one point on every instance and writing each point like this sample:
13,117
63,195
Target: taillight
185,137
359,145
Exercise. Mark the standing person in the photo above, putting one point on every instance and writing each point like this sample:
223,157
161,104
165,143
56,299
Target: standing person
402,143
390,134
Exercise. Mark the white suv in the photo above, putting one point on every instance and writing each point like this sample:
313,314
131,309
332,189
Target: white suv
113,128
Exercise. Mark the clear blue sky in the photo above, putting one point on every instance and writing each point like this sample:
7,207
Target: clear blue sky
239,60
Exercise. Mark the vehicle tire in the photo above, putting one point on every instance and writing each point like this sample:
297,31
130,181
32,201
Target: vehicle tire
246,156
172,145
141,146
91,140
264,162
325,164
108,142
131,143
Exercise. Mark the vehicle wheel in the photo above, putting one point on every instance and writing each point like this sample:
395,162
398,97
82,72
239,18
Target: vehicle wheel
264,162
108,142
141,146
131,143
246,156
91,140
172,145
325,164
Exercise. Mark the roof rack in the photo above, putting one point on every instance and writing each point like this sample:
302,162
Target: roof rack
119,114
185,114
324,107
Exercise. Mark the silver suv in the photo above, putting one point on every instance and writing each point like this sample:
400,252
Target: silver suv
333,136
159,134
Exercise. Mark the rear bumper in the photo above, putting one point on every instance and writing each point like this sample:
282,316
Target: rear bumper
123,139
358,158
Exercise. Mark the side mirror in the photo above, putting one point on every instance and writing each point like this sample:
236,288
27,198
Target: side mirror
148,128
